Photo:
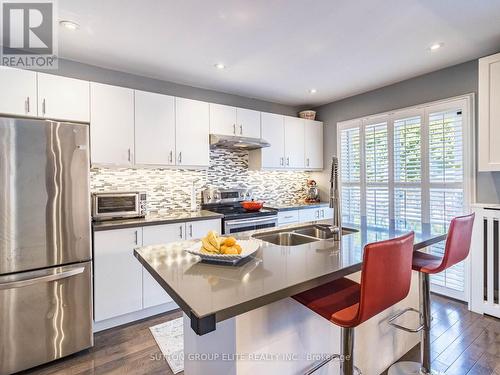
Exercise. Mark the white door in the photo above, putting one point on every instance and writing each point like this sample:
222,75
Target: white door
117,274
153,294
294,142
313,136
198,229
191,132
248,123
309,214
111,125
154,129
63,98
223,119
273,132
18,96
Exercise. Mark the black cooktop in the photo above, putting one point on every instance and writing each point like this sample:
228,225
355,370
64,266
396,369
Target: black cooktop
235,211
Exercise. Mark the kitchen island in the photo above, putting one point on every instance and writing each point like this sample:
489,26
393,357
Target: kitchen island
240,319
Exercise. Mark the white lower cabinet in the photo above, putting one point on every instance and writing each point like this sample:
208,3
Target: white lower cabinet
117,273
152,293
313,214
198,229
288,217
121,285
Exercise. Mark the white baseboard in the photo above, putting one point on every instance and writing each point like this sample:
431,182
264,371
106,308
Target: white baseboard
132,317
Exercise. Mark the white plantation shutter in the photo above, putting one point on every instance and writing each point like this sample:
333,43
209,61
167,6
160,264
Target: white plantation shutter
408,171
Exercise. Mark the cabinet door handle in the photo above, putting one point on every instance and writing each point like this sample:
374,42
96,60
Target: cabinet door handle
317,214
136,238
171,157
281,161
234,129
129,155
180,157
190,230
288,161
308,162
27,104
241,129
43,107
180,232
322,213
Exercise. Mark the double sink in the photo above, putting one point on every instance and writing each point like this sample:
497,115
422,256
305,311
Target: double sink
298,236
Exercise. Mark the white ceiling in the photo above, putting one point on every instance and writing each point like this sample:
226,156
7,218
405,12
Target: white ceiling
277,49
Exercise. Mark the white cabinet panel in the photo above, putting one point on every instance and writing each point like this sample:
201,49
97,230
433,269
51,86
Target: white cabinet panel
274,133
288,217
117,273
112,125
248,122
489,113
294,142
154,129
313,144
192,129
63,98
309,214
18,96
153,293
198,229
222,119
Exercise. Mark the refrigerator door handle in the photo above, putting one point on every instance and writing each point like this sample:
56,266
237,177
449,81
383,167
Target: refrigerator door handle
37,277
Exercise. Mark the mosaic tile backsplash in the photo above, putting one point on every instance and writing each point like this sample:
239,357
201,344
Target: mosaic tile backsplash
170,189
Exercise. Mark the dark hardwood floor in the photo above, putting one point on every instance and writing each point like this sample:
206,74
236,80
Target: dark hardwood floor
463,343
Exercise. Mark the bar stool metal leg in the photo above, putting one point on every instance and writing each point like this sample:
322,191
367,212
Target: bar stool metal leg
424,367
346,350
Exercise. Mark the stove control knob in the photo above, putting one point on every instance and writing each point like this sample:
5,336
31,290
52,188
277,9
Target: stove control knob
209,197
216,196
248,194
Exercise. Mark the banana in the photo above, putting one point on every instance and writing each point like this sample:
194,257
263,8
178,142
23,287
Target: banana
208,246
214,240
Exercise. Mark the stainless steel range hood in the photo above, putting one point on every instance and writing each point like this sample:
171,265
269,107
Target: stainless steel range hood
236,142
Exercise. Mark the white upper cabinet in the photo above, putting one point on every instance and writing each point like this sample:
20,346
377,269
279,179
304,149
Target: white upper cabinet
18,96
294,142
112,125
313,137
154,129
248,123
192,132
227,120
222,119
63,98
273,131
489,113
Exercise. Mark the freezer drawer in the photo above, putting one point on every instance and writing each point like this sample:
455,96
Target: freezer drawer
44,315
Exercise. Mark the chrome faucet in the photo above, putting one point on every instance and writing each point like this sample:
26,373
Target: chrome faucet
334,230
335,200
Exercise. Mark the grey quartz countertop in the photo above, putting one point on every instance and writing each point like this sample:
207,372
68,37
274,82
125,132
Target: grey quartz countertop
294,206
210,293
156,219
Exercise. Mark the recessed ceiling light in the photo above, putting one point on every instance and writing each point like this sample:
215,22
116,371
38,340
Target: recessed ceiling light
220,66
313,91
435,46
70,25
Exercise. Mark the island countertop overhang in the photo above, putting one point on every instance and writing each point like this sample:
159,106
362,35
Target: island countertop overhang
210,293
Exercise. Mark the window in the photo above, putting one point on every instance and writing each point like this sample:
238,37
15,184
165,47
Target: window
407,170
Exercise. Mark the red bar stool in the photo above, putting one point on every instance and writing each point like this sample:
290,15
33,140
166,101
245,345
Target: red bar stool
456,250
385,280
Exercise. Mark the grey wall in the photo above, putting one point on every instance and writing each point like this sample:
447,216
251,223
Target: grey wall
442,84
75,69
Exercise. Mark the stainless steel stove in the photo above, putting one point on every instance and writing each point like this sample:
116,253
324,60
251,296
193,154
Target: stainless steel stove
236,218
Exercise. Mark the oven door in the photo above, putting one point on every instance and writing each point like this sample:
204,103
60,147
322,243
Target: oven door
120,205
254,223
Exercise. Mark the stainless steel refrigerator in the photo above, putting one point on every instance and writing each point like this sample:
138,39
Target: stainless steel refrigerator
45,247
